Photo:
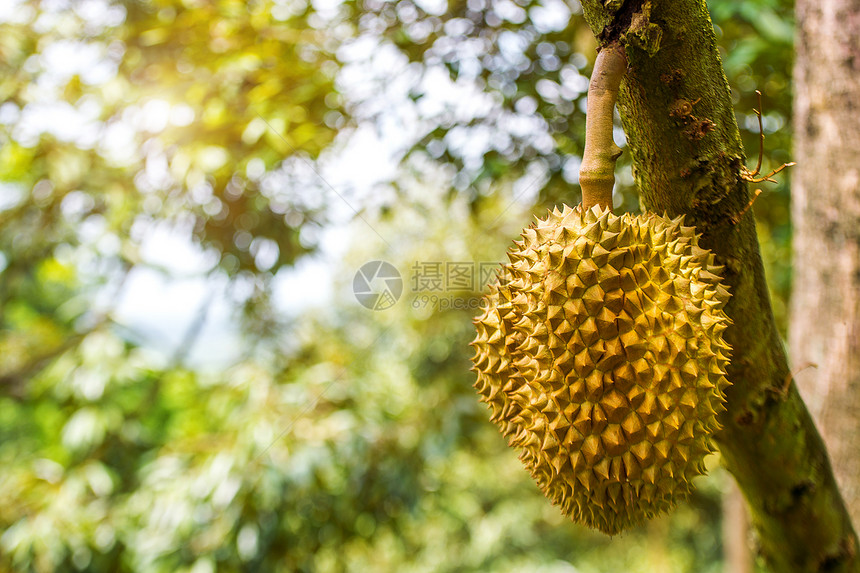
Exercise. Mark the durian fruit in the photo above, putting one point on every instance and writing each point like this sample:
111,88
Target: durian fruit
600,353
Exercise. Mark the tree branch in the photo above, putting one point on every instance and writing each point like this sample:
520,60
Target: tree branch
677,114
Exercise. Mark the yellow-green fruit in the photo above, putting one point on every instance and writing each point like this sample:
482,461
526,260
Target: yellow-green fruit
600,354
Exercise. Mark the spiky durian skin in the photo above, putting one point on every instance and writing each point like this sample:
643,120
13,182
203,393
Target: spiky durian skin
600,353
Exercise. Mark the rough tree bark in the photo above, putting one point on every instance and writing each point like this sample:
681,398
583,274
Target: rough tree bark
687,156
825,312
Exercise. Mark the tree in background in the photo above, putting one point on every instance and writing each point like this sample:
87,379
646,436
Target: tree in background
119,117
825,310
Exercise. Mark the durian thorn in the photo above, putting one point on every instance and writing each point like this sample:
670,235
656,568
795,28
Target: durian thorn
597,174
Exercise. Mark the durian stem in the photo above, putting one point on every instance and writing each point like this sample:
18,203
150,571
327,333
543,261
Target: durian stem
597,175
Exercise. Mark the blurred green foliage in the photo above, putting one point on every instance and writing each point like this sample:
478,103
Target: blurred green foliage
344,439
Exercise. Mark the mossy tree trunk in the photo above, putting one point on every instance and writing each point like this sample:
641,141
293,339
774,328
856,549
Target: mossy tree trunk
687,155
825,313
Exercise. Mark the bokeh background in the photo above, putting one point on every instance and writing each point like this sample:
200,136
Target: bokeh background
187,191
